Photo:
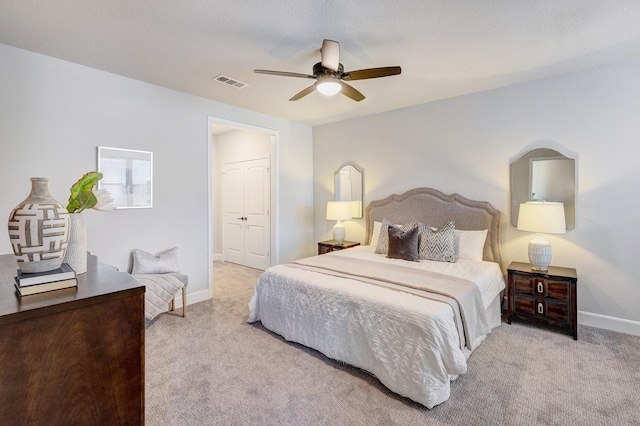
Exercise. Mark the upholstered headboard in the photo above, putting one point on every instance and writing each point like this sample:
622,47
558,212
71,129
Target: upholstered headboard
433,208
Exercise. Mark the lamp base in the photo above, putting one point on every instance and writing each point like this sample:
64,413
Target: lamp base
539,254
338,232
540,269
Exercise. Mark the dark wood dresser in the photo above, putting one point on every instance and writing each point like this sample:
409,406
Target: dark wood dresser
544,297
72,356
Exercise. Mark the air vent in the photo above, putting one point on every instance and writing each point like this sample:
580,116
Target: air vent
230,81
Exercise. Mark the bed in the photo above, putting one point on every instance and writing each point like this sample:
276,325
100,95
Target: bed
400,320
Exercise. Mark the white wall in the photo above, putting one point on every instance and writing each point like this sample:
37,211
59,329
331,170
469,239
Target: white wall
464,145
53,115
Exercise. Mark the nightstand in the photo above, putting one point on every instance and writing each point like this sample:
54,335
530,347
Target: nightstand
543,297
331,245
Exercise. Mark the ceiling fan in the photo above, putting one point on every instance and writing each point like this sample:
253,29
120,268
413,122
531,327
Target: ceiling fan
330,75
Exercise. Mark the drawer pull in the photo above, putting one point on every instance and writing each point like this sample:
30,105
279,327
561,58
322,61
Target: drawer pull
540,287
540,308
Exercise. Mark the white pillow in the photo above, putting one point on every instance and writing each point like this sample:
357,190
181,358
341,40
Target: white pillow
375,236
470,244
162,263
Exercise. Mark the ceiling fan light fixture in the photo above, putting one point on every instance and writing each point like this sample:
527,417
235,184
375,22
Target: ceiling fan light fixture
330,77
329,86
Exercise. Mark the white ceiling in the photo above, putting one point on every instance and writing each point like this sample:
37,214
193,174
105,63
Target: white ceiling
446,48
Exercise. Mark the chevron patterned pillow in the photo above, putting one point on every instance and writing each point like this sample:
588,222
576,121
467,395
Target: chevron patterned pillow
383,238
439,244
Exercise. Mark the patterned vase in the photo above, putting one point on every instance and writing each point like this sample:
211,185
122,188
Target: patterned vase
39,230
76,255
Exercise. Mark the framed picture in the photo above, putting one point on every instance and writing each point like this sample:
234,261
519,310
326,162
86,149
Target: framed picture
127,175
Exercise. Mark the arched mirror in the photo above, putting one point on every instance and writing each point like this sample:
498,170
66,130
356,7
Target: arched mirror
544,175
348,186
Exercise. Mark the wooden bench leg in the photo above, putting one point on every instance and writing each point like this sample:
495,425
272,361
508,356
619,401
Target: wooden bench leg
172,305
184,300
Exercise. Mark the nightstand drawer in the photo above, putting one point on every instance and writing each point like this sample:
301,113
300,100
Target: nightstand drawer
324,249
541,308
557,311
545,287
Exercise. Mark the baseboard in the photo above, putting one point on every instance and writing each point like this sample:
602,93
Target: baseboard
609,323
198,296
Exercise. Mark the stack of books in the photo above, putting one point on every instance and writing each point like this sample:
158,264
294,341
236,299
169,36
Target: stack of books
42,282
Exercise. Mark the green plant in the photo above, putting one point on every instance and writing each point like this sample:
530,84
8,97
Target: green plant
82,196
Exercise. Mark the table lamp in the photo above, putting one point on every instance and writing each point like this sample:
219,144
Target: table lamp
541,217
338,210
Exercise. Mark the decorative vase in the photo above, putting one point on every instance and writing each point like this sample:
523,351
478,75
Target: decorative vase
76,255
39,230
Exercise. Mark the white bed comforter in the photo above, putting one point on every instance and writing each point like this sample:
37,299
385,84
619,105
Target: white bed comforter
409,343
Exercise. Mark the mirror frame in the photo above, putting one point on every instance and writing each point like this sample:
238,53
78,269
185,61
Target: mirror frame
520,176
356,205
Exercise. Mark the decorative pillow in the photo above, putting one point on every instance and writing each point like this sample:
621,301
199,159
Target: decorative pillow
439,244
162,263
470,244
403,244
375,234
383,239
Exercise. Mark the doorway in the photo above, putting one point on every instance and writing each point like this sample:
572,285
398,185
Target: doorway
231,142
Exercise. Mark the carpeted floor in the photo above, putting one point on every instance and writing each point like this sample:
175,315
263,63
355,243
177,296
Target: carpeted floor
213,368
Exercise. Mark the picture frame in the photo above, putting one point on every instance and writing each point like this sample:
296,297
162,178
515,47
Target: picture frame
127,175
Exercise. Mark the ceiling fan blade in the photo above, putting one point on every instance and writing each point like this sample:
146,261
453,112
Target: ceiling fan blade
371,73
351,92
284,73
303,93
330,54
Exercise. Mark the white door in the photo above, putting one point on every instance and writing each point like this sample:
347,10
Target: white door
233,212
246,203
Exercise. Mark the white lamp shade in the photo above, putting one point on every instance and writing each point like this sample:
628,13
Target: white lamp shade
338,210
543,217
